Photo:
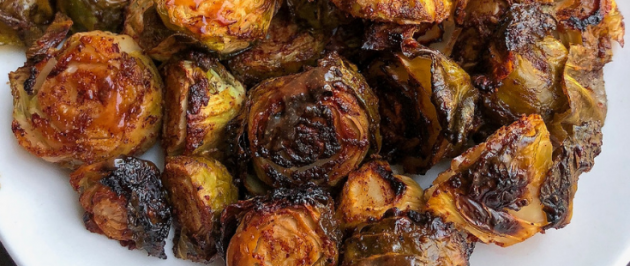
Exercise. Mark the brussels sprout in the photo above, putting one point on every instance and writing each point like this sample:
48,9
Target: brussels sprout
201,98
22,22
593,24
407,239
319,14
288,227
145,26
398,11
576,134
427,103
492,190
89,15
96,98
316,126
374,189
525,67
124,200
199,189
223,26
285,50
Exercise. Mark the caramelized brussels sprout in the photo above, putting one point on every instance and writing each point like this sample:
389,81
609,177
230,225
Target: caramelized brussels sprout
201,98
89,15
288,227
427,103
407,239
576,133
525,67
316,126
374,189
22,22
96,98
398,11
199,189
492,190
593,24
124,200
145,26
223,26
285,50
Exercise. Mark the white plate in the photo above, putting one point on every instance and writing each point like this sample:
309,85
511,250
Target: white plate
41,224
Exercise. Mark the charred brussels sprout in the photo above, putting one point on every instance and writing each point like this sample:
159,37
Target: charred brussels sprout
145,26
124,200
288,227
319,14
374,189
526,64
398,11
492,190
407,239
22,22
199,189
201,98
316,126
427,103
223,26
285,50
96,98
89,15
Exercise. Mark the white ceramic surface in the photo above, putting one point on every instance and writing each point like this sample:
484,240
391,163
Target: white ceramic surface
40,218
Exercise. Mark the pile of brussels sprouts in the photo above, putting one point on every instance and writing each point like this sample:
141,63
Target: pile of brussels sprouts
279,121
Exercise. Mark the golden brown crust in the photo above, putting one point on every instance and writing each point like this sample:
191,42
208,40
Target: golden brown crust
398,11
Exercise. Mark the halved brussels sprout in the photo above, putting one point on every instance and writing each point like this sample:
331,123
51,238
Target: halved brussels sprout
288,227
201,98
492,190
145,26
407,239
316,126
525,67
124,200
427,103
285,50
398,11
595,24
22,22
576,133
199,189
374,189
96,98
223,26
89,15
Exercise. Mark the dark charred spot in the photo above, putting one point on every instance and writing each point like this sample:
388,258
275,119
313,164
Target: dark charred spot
29,83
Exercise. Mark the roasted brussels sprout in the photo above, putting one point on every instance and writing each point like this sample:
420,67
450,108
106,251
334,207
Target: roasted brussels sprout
89,15
124,200
525,67
22,22
96,98
285,51
427,103
492,190
316,126
407,239
576,133
223,26
288,227
145,26
201,98
199,189
398,11
592,24
374,189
